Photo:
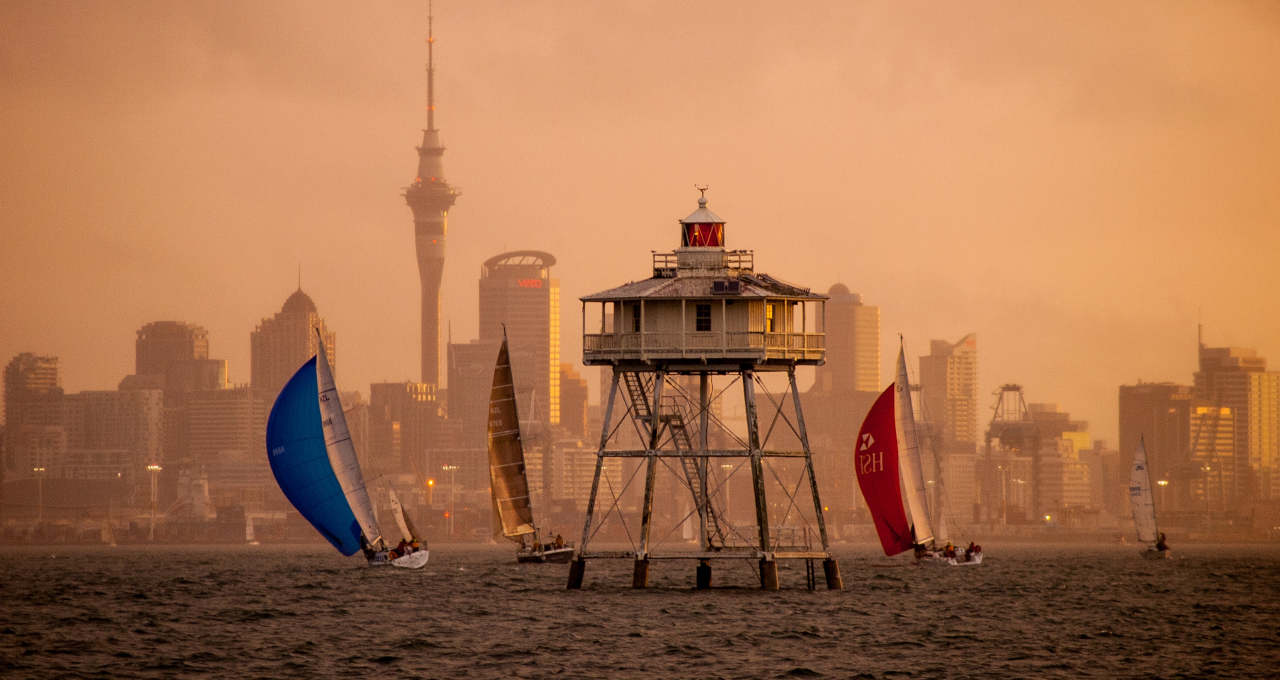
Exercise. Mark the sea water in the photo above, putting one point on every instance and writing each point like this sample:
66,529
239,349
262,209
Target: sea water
290,611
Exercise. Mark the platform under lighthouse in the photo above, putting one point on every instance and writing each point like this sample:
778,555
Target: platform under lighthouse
703,330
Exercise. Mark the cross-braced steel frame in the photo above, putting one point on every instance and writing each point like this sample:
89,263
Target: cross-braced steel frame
673,426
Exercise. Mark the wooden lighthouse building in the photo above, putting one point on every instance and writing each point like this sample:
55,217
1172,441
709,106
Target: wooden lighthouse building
704,328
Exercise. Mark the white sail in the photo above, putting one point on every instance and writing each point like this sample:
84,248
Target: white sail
909,450
1140,498
342,453
397,511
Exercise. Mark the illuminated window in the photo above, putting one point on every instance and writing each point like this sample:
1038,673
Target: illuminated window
702,317
768,317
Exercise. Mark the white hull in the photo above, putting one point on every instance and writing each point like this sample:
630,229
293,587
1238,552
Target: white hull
414,560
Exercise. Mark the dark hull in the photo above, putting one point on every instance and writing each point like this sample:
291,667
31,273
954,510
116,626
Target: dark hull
557,555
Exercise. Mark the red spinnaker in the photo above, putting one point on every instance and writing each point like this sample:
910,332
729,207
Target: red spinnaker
876,463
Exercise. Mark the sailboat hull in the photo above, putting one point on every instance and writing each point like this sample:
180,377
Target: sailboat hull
1153,554
556,555
416,560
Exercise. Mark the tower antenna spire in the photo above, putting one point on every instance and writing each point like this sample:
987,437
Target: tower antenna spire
431,69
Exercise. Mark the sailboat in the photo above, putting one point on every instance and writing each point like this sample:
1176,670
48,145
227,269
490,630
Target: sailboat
314,462
507,480
888,465
1144,507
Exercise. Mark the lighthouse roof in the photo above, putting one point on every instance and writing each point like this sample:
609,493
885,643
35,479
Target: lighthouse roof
702,215
750,285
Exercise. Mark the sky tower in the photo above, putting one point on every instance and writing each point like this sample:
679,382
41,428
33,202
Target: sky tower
430,197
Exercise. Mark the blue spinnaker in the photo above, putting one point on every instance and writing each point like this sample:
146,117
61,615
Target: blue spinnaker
296,450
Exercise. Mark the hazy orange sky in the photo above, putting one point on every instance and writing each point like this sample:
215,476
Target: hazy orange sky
1077,183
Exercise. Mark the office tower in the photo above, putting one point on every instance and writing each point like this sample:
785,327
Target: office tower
1264,433
281,344
34,434
1213,456
113,435
853,344
517,291
403,422
573,402
161,343
949,382
1160,413
1225,379
430,197
224,424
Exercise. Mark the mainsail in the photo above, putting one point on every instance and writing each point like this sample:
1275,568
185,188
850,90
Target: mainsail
876,465
342,453
506,453
909,444
1140,498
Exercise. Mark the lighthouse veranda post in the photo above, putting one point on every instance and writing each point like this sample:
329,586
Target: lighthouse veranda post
704,332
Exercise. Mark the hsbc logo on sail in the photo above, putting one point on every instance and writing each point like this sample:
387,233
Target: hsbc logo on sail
869,462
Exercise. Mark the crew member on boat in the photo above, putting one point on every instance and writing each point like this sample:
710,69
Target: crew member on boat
1161,545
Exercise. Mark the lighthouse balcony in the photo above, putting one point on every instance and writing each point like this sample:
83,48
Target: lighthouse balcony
704,347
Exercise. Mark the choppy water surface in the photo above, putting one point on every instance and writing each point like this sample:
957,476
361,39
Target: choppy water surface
472,612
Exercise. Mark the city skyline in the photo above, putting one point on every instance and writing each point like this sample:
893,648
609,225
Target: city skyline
1127,139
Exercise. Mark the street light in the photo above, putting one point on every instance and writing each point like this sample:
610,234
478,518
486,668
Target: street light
1162,483
451,469
39,472
154,469
1208,516
431,493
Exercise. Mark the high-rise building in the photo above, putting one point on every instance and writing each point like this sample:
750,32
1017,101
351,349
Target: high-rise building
1213,456
281,344
1224,380
403,422
573,402
517,291
162,343
226,424
113,435
949,382
34,435
1264,432
1160,413
853,344
430,197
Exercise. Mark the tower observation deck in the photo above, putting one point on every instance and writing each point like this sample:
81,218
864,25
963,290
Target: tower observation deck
430,197
706,316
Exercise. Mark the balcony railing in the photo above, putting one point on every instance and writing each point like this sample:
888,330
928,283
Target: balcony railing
704,345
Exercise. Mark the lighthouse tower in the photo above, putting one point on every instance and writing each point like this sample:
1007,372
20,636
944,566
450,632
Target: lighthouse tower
705,327
430,197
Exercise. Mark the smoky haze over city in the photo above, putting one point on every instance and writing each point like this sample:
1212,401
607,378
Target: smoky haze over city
1077,185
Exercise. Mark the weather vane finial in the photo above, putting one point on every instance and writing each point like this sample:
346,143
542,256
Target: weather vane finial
702,200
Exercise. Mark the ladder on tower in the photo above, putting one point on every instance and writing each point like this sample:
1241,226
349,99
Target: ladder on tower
695,471
636,393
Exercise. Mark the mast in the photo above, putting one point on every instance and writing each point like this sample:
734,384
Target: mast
912,472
